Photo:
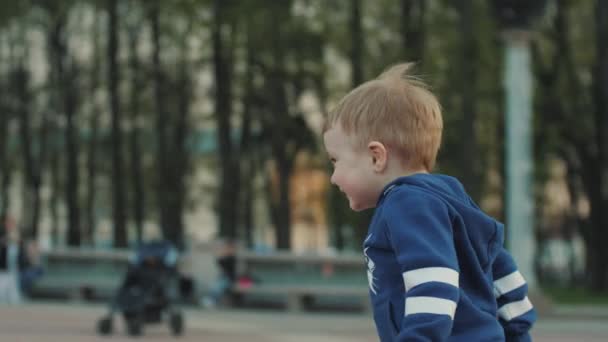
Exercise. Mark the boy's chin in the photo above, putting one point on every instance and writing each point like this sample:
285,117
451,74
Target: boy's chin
357,206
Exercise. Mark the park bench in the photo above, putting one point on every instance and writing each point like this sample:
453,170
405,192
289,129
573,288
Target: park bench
81,273
302,280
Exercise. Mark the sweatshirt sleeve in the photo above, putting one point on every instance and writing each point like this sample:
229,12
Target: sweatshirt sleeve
515,312
420,231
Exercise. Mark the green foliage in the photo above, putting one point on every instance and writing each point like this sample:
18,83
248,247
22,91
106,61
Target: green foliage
11,11
288,49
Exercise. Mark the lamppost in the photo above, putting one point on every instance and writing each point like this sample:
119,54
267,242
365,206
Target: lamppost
516,18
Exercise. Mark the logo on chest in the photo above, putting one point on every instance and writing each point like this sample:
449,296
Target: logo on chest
371,266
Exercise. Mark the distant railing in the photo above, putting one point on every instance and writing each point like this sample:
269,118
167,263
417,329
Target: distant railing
81,273
302,280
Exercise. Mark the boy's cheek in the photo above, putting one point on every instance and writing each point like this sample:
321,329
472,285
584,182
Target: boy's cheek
341,183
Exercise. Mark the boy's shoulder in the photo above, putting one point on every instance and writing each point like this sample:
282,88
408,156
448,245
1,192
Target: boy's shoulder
406,191
442,187
411,198
417,187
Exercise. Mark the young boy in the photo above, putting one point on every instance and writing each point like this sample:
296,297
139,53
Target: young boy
436,265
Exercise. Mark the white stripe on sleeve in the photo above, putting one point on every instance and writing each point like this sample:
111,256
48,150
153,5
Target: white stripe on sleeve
419,276
431,305
508,283
515,309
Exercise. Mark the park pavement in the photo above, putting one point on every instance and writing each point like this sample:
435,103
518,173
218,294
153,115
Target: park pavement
67,322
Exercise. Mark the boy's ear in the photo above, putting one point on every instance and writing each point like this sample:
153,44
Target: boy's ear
379,155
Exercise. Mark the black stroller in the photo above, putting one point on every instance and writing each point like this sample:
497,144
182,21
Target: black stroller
149,291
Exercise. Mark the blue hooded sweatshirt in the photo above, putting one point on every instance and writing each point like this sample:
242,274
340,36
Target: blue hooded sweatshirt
437,269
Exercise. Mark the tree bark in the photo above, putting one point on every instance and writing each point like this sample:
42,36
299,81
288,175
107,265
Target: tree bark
278,127
357,43
180,156
118,190
5,166
162,121
33,163
134,136
600,172
413,16
229,174
55,197
246,152
469,151
92,162
65,76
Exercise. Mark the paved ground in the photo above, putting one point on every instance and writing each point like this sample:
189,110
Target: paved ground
54,322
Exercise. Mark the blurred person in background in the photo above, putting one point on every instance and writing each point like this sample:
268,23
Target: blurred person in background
19,265
226,261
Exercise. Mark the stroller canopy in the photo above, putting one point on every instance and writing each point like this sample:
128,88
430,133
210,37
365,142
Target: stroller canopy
163,251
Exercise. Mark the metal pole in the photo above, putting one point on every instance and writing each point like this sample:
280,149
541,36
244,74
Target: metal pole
519,165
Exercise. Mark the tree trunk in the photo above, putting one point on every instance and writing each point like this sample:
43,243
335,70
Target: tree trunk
134,137
20,80
5,166
162,121
246,151
413,31
229,174
469,151
92,168
247,203
54,103
55,196
5,196
180,161
357,43
33,164
278,126
92,163
283,220
72,165
118,189
596,268
599,197
65,77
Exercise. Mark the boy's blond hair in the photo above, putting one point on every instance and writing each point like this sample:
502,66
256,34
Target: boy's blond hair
397,110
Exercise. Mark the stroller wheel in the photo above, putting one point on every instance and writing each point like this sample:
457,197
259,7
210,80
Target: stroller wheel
177,323
134,326
104,326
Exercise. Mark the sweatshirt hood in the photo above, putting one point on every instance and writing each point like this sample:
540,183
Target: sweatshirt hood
447,187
